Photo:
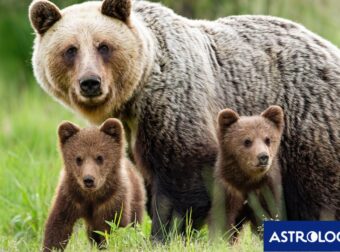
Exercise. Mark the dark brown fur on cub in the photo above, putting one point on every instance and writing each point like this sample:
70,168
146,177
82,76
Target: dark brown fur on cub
97,184
247,162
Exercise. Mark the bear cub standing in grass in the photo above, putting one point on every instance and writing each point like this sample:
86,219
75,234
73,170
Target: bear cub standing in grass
247,165
97,183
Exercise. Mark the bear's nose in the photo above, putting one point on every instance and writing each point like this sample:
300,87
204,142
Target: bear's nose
90,86
263,158
88,181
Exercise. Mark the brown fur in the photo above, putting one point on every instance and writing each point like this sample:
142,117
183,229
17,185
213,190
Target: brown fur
119,9
118,188
242,140
44,15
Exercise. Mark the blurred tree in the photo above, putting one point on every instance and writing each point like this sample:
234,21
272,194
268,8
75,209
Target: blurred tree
16,35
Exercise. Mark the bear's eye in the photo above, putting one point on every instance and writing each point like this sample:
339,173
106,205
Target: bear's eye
247,143
79,161
71,52
267,141
99,160
103,49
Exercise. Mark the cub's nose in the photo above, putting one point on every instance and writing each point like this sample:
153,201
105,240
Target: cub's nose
88,181
90,86
263,158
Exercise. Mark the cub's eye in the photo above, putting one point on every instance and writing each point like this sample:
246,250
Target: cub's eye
247,143
99,160
71,52
103,49
79,161
267,141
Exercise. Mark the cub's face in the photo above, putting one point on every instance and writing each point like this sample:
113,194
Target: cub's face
92,155
87,55
253,142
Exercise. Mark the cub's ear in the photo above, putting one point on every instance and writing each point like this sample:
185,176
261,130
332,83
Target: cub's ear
120,9
274,114
227,117
43,14
113,128
67,130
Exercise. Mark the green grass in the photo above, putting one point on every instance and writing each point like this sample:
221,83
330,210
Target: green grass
29,171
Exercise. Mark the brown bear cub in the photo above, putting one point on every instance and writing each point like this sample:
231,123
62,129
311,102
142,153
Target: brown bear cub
247,165
97,184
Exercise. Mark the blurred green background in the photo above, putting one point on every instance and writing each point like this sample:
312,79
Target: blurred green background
320,16
29,160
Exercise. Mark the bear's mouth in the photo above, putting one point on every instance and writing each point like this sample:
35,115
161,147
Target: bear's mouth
90,189
260,168
91,95
91,103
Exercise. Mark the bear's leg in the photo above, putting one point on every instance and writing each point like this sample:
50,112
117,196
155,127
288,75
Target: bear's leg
95,237
273,199
296,201
178,223
235,218
115,215
310,172
59,225
100,226
161,216
137,202
175,211
148,203
217,216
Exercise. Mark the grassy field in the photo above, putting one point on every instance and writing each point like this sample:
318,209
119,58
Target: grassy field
29,169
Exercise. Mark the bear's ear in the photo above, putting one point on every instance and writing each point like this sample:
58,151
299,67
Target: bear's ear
120,9
43,14
67,130
227,117
113,128
274,114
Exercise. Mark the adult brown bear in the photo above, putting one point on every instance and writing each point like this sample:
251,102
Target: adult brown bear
167,77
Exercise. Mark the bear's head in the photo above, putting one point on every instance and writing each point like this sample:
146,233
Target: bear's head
252,142
92,155
90,56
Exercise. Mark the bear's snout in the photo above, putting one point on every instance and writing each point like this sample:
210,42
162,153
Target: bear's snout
90,86
89,181
263,158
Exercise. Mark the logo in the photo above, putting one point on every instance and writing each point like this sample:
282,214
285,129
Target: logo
301,236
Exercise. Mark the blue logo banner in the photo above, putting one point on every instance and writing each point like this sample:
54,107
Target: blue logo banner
301,236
